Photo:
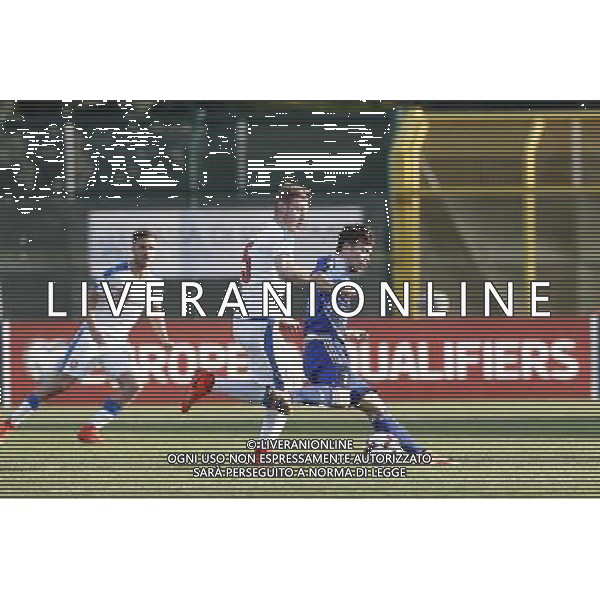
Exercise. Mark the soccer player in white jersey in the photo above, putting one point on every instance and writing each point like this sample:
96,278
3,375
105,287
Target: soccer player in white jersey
103,340
268,257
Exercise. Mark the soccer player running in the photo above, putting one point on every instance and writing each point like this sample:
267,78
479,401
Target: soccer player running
327,367
269,257
103,340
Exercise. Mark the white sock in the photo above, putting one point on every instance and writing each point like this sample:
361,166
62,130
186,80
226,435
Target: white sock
110,409
247,390
21,413
102,418
273,424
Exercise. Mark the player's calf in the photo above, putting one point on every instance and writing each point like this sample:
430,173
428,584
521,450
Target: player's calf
278,400
369,402
47,388
29,406
128,387
387,427
90,432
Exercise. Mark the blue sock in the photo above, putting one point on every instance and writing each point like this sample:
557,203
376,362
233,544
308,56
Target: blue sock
109,411
34,401
27,408
391,426
112,406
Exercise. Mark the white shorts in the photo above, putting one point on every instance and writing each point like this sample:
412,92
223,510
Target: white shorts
84,355
271,360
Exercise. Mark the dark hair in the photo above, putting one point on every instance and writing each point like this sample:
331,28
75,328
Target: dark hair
142,234
351,234
288,190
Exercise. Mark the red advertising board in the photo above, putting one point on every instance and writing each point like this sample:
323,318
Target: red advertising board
406,359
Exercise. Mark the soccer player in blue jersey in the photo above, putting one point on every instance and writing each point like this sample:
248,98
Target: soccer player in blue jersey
103,340
333,381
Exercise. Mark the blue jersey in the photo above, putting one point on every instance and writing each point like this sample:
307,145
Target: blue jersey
326,322
118,328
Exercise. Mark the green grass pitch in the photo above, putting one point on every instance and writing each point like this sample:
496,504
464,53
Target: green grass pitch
502,449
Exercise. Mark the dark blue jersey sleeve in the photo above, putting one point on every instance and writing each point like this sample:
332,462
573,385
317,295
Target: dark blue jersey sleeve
322,265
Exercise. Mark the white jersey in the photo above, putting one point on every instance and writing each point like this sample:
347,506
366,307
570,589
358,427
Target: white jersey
259,258
116,329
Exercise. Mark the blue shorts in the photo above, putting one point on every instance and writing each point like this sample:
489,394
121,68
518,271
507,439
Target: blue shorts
327,368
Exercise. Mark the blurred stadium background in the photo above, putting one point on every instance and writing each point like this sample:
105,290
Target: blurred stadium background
505,191
455,192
